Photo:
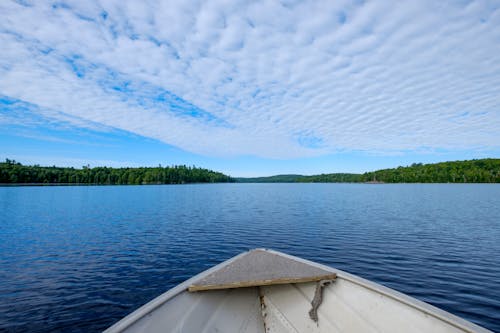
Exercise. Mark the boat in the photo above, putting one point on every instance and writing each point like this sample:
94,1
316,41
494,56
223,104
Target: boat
268,291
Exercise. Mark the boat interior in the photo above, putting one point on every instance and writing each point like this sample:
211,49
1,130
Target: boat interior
267,291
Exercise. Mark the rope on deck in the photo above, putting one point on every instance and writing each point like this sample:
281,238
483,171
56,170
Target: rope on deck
318,299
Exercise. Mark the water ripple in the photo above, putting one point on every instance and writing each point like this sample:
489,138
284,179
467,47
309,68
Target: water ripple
79,258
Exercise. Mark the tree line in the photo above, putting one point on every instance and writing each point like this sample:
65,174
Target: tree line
473,171
12,172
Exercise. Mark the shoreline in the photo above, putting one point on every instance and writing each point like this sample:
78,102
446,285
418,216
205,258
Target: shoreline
84,184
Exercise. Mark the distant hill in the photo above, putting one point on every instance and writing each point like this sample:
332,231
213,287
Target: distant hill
271,179
331,178
323,178
472,171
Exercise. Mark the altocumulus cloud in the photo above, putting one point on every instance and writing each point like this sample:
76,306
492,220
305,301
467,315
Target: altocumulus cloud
278,79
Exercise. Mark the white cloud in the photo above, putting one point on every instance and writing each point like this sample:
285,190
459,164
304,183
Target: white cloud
263,78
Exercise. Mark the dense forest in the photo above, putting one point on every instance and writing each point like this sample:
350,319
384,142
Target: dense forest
12,172
473,171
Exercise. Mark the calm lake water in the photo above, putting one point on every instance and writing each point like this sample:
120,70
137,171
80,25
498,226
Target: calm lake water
80,258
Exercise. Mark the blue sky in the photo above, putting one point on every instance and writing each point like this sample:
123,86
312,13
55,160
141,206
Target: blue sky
249,88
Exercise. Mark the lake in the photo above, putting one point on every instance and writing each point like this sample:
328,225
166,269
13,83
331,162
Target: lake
78,258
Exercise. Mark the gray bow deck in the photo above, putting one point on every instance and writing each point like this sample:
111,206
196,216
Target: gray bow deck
259,268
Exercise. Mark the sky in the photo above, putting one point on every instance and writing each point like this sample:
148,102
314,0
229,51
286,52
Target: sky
249,88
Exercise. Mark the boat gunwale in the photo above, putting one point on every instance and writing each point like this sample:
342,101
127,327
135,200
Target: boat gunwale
426,308
152,305
398,296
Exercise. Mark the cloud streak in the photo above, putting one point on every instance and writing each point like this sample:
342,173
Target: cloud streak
266,78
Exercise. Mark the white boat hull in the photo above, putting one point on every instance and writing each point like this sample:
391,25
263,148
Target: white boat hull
349,304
